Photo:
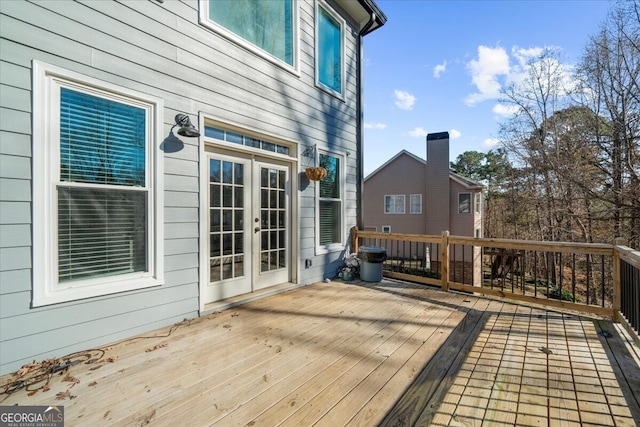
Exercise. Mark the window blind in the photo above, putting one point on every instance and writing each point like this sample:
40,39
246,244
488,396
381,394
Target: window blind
102,230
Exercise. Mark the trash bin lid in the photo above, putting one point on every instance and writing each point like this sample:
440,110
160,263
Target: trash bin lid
372,249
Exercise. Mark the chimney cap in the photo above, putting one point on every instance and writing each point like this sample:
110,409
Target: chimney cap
439,135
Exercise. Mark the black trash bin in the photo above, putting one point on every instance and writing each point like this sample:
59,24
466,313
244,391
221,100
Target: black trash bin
371,259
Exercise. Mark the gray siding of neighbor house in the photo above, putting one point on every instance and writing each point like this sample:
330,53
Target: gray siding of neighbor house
405,175
161,50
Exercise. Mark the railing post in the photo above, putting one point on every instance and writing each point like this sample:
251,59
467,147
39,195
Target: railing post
354,239
617,305
444,264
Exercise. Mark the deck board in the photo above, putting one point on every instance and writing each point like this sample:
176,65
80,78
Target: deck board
360,354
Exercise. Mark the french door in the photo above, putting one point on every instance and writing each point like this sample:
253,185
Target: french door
248,225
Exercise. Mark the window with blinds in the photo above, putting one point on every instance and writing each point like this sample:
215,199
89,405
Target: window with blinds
330,201
464,202
98,224
102,194
415,203
394,204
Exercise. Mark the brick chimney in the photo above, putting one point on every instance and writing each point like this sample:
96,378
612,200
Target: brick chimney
437,183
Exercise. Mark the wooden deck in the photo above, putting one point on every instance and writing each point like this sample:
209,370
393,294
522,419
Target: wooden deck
358,354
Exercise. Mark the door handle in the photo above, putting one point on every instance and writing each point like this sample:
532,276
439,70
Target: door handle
256,229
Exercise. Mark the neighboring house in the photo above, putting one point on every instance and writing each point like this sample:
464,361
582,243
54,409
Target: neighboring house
413,196
117,214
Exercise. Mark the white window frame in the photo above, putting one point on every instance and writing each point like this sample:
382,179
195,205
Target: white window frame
478,202
404,203
419,204
334,15
336,246
47,82
233,37
386,229
460,211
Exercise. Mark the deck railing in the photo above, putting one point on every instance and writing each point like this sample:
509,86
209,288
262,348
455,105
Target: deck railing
598,278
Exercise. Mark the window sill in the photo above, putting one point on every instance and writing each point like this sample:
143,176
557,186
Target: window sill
91,289
327,249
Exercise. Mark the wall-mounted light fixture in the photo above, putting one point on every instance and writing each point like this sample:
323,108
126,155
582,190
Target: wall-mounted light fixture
186,127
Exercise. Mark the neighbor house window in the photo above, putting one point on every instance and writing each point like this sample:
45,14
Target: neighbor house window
330,201
97,216
386,229
266,27
478,202
415,202
394,204
329,49
464,202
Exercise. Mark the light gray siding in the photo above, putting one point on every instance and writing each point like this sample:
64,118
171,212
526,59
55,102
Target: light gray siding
161,50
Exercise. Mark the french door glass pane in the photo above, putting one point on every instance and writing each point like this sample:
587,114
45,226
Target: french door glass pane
226,220
272,232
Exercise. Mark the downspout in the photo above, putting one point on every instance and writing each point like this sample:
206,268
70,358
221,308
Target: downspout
360,126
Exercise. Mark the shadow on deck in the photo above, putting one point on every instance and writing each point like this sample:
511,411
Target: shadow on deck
360,354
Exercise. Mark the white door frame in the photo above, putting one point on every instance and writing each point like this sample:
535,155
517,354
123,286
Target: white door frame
208,146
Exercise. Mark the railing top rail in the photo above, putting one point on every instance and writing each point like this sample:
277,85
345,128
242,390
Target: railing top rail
566,247
399,236
629,255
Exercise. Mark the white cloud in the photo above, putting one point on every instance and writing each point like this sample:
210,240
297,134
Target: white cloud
525,55
505,110
418,132
375,125
490,143
491,64
404,100
454,134
494,68
439,69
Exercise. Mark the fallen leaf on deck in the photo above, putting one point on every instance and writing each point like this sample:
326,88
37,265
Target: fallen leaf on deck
64,395
157,346
71,379
92,383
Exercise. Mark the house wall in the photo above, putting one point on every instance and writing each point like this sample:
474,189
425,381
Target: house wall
461,224
405,176
157,48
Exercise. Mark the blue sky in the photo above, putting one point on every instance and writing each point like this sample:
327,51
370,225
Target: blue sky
439,65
